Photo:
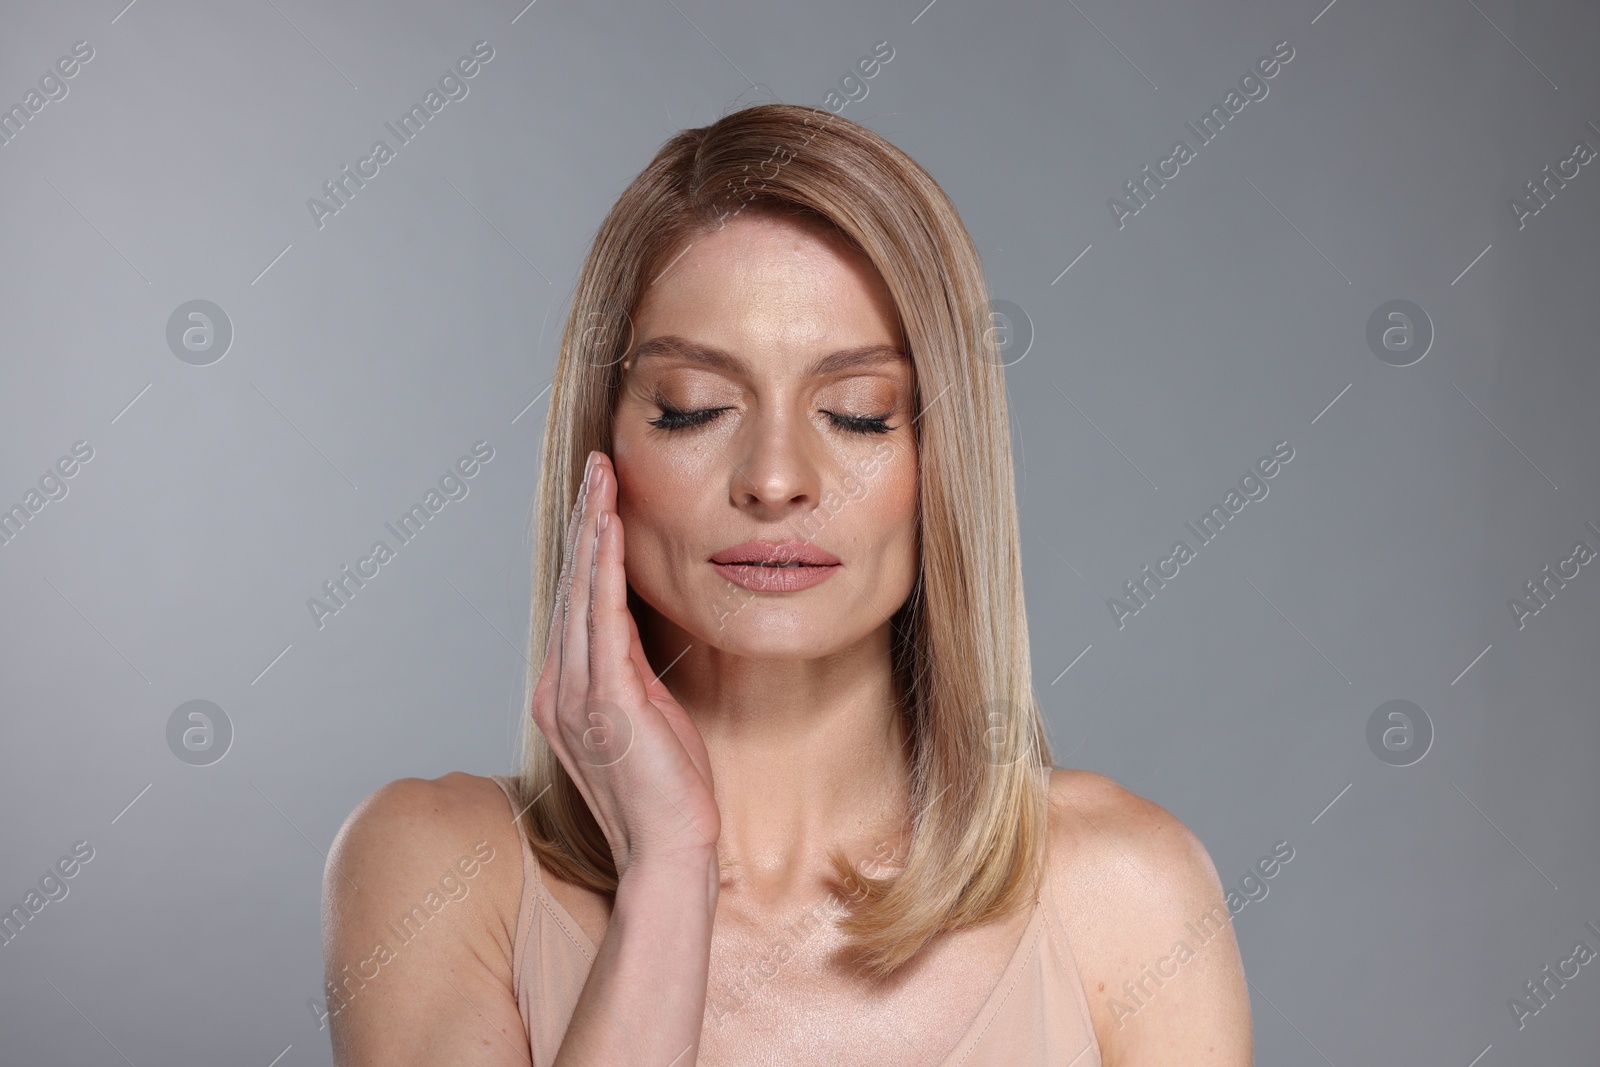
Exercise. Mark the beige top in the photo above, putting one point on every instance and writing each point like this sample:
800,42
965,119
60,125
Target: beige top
1037,1014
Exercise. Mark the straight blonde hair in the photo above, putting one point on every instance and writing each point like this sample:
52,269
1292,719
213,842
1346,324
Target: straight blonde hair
980,758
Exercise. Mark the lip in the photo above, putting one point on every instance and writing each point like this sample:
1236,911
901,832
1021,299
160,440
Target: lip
742,565
776,552
761,579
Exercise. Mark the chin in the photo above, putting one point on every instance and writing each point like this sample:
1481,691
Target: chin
764,627
741,624
755,642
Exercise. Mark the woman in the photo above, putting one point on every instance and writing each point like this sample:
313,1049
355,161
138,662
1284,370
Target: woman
777,474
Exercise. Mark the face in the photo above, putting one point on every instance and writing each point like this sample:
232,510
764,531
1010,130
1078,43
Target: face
768,399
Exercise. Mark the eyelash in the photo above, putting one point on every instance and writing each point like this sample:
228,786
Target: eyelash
672,419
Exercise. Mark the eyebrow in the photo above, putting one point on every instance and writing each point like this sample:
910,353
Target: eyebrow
673,346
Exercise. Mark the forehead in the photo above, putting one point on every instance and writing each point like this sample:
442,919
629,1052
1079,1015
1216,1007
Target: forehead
769,285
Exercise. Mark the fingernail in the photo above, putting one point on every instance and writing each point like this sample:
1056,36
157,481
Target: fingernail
594,476
605,517
588,466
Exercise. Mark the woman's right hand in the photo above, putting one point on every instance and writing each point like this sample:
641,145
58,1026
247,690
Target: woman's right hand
628,745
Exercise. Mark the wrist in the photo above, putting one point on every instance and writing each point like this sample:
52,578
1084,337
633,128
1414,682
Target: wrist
687,866
683,879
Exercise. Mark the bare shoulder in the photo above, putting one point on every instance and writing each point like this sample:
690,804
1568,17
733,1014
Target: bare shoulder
1119,834
419,829
411,817
420,894
1144,910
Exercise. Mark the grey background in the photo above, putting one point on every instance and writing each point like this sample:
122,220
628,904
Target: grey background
1228,315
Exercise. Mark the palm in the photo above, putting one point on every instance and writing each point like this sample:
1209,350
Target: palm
596,679
677,718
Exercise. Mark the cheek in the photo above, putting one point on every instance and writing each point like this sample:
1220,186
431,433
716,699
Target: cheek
899,475
891,504
638,497
642,478
904,508
657,505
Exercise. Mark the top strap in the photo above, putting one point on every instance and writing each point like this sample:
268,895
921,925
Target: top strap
531,885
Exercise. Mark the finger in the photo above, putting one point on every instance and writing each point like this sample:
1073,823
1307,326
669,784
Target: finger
608,648
552,642
573,679
549,671
568,708
569,545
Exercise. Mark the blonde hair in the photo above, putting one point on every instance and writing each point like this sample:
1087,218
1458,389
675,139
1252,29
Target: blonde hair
980,758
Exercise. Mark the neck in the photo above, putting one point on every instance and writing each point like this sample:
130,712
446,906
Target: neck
806,754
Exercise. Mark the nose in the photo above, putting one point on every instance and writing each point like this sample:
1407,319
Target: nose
776,473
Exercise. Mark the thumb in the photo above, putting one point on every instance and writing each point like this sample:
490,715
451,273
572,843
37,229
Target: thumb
653,686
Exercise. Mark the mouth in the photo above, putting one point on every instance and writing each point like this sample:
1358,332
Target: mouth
775,567
792,554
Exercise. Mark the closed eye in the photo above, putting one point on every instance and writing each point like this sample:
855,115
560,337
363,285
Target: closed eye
674,419
861,423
